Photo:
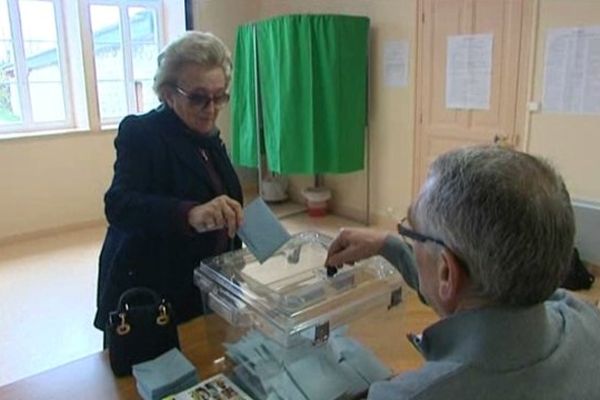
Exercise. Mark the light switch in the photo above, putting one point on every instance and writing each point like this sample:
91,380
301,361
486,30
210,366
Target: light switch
533,106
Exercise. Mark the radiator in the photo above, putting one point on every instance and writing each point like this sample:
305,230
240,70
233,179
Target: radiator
587,236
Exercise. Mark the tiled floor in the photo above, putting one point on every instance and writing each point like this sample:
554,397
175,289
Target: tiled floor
47,302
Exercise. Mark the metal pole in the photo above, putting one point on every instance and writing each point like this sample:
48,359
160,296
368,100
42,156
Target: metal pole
367,143
257,109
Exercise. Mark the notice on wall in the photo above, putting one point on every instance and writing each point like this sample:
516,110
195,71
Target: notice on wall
469,71
572,71
395,63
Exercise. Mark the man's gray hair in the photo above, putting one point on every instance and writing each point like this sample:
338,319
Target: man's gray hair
202,48
506,215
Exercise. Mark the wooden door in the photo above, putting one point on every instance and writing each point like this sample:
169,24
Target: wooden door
440,128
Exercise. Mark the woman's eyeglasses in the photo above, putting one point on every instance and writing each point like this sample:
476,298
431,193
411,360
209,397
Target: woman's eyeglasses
202,100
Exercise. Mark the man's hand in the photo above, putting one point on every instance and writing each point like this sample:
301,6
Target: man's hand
354,244
220,212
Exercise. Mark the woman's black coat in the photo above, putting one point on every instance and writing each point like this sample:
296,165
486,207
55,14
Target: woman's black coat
158,174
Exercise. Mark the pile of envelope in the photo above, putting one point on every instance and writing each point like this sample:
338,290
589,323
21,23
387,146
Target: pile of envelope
169,373
338,369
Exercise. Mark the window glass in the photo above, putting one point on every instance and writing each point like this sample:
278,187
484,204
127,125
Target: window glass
108,55
4,21
10,108
113,101
108,47
10,112
42,59
47,101
38,26
145,95
144,51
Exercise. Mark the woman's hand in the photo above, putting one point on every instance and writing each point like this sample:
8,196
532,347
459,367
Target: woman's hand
354,244
220,212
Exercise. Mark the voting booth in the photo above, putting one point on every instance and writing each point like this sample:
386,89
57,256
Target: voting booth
290,321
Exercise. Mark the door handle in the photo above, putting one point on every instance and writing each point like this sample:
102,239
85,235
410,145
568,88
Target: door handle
502,141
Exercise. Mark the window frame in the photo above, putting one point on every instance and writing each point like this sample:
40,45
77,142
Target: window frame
123,6
27,124
77,64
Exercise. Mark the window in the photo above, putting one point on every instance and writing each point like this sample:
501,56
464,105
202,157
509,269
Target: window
126,44
77,64
32,90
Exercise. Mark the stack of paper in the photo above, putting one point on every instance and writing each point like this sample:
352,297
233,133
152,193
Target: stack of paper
340,368
169,373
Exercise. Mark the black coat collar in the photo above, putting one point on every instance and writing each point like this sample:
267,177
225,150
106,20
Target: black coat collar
185,144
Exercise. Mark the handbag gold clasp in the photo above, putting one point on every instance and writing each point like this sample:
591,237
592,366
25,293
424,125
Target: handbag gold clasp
124,327
163,317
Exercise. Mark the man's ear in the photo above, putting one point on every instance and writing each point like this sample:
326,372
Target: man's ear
452,279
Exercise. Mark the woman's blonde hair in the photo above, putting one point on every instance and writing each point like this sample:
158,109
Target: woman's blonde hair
202,48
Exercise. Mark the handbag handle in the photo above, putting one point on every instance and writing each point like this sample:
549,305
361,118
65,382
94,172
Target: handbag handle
135,294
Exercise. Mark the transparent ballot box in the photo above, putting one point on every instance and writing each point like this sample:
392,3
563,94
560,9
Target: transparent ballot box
293,331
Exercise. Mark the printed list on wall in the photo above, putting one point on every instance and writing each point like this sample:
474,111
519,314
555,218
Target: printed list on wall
572,71
395,63
469,71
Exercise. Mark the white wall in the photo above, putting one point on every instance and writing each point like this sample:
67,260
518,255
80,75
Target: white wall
53,181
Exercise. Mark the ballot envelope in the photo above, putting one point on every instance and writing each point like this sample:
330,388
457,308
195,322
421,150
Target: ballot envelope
288,319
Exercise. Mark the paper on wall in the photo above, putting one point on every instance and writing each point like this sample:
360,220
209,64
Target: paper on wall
572,70
395,63
469,71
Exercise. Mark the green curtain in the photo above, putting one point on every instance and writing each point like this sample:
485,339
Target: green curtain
313,92
243,100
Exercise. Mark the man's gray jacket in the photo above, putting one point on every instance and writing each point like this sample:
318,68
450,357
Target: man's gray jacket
549,351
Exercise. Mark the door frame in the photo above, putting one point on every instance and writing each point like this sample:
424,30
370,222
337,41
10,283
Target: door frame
519,138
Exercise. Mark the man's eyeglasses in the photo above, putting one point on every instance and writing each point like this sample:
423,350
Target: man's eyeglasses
202,100
410,235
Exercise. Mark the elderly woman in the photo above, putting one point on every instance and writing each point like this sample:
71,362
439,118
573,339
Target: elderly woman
175,197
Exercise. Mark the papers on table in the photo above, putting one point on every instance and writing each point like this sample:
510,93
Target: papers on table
339,368
168,373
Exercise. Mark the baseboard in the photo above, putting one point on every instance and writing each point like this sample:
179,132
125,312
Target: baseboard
21,237
358,215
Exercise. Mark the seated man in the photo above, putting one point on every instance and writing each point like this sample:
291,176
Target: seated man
486,244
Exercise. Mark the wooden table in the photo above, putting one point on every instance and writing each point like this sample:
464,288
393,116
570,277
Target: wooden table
91,377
